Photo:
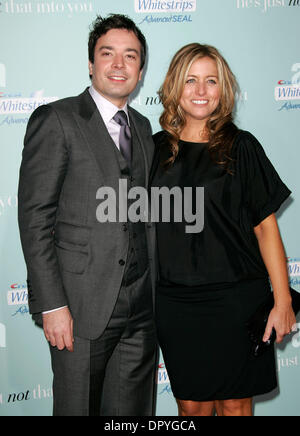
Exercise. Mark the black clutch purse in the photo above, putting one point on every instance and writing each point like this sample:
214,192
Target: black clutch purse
258,322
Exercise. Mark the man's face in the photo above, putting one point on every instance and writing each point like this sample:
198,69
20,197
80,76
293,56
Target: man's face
116,68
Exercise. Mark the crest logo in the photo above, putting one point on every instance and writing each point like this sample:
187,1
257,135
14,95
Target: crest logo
289,90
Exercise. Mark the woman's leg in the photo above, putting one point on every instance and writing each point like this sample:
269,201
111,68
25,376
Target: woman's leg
195,408
234,407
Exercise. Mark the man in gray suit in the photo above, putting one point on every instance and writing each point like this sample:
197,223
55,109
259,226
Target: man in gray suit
90,283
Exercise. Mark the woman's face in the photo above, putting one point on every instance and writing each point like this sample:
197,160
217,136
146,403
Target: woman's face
201,94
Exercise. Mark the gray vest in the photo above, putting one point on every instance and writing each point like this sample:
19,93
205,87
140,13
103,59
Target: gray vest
137,257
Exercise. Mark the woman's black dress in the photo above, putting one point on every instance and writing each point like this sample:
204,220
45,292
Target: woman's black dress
211,282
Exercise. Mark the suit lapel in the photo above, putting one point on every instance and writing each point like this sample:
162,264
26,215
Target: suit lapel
147,148
98,140
102,146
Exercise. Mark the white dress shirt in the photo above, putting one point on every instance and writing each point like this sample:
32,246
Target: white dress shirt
107,111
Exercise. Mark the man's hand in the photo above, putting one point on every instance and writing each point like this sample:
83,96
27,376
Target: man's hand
58,329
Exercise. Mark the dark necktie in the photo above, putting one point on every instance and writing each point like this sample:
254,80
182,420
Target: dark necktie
125,135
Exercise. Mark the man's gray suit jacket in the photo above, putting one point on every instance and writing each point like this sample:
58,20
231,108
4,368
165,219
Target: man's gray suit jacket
71,258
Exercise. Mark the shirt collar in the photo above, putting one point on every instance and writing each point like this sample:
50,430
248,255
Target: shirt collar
107,109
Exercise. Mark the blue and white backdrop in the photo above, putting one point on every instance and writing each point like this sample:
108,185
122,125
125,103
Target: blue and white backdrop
43,57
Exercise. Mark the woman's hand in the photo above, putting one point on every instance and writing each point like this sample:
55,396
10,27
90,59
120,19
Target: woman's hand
282,317
283,320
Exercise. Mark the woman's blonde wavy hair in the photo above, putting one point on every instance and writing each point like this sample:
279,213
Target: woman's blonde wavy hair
220,127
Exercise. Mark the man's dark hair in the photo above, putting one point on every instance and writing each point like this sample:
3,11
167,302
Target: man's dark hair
114,21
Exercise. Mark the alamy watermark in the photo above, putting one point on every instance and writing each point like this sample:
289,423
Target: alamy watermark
159,205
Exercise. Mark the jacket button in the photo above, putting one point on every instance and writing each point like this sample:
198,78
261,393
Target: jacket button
121,262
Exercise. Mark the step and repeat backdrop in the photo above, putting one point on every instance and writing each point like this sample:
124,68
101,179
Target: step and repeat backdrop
43,57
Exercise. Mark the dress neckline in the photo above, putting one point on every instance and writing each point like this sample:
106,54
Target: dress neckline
194,143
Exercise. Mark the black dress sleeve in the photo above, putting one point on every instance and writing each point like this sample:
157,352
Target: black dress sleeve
263,188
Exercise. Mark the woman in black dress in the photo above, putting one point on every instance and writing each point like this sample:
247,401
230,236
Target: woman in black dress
212,281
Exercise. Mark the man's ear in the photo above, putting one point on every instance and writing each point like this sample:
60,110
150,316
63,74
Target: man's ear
90,68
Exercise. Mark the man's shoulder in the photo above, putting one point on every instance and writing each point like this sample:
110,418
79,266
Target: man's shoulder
67,102
137,114
63,107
